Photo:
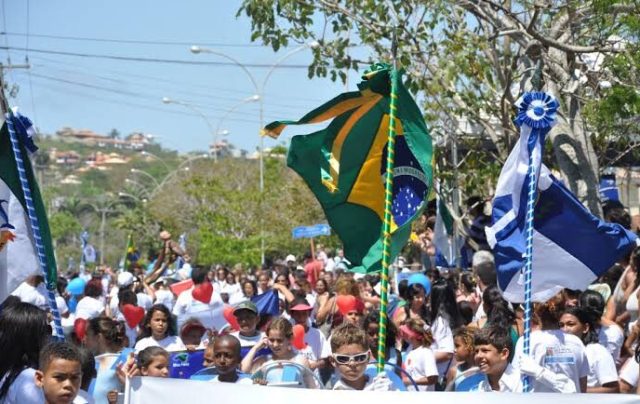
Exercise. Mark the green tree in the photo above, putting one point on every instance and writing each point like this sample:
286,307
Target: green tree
468,60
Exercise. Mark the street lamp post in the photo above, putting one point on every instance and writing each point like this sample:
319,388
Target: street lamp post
219,130
260,97
190,106
146,174
146,153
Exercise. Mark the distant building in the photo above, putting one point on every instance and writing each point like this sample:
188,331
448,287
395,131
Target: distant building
64,158
134,141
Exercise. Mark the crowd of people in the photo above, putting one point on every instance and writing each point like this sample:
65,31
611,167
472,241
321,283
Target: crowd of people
448,330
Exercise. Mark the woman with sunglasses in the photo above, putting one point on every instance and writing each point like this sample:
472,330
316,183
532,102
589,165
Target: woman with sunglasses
24,330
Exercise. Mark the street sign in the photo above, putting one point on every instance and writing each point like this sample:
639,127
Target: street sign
311,231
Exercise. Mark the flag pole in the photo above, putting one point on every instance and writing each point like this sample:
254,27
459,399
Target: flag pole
536,83
388,195
126,253
34,224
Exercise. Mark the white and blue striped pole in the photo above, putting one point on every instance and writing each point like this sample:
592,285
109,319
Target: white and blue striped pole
33,220
537,114
528,264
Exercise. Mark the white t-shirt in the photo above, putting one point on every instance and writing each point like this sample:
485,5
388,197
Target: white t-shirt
187,304
89,308
420,362
165,297
170,343
242,379
62,305
83,398
630,372
23,390
442,342
510,382
559,352
248,341
36,296
612,338
317,342
144,301
602,368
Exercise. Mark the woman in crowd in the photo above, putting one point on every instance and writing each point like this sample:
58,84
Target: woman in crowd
553,349
602,377
24,330
105,338
91,305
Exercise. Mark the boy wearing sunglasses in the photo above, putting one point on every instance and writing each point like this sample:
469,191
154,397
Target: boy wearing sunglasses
350,358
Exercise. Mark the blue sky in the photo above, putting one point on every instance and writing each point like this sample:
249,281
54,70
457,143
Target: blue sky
101,94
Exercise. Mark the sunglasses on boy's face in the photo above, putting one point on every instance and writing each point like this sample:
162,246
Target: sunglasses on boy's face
346,359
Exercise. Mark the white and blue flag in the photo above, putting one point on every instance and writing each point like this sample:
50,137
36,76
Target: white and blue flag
571,247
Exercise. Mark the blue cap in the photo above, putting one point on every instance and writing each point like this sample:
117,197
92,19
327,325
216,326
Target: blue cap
421,279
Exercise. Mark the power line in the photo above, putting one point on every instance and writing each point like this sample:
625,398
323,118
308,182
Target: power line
55,87
151,60
156,79
133,94
288,108
133,41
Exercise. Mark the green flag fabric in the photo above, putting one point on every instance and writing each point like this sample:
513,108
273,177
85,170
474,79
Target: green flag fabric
18,257
344,165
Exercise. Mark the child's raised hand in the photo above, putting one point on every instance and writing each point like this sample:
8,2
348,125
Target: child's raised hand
264,342
128,369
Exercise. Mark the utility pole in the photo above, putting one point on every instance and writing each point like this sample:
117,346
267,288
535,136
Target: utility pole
4,103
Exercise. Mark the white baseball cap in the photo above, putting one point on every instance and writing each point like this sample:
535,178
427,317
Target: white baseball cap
291,258
125,279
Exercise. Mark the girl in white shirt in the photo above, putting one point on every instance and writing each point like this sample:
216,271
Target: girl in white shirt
159,329
420,362
602,377
279,340
444,317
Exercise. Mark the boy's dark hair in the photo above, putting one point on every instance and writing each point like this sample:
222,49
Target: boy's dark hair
199,274
58,350
127,296
146,356
495,336
88,364
486,272
348,334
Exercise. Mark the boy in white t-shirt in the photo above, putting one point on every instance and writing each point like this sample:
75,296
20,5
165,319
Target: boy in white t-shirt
350,357
493,346
247,315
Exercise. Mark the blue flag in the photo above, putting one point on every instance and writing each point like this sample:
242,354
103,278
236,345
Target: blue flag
571,247
267,303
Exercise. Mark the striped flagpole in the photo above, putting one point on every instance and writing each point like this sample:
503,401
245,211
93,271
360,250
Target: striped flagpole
528,264
33,220
386,229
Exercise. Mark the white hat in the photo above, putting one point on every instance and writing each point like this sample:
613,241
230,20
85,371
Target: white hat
125,279
291,258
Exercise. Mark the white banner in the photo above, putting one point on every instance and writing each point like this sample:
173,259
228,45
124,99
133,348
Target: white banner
145,390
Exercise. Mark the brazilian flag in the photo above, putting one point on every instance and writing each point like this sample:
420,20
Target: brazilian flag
131,254
344,165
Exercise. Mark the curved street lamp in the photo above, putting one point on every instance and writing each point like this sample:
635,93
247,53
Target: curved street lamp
195,49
